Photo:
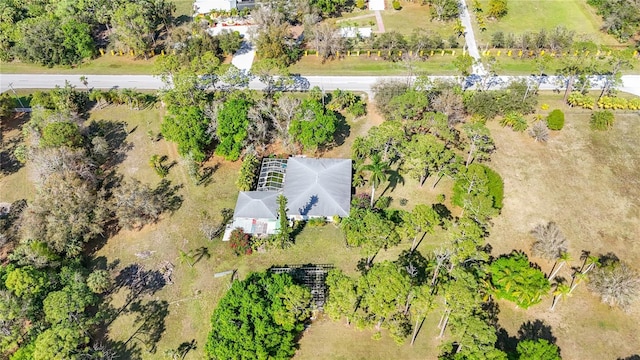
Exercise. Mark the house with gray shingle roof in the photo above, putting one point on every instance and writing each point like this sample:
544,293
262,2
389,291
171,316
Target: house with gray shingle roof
313,187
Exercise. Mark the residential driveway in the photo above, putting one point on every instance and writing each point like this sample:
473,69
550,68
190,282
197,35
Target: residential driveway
470,38
376,5
243,58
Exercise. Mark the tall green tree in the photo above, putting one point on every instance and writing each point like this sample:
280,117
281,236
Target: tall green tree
134,26
187,126
59,342
61,133
372,231
314,126
480,144
421,220
515,279
283,236
421,305
249,323
383,291
379,172
538,349
425,155
409,106
232,128
343,297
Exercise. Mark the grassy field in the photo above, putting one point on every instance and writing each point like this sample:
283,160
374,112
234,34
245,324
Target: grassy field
585,181
104,65
533,15
361,65
183,7
414,16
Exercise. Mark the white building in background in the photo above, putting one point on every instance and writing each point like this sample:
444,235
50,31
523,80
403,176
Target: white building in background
353,32
207,6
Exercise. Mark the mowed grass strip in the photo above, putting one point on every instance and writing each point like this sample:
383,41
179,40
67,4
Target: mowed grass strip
364,65
103,65
414,16
534,15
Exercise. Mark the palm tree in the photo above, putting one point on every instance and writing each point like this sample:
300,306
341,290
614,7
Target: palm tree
380,171
562,291
186,257
589,261
577,278
201,252
562,259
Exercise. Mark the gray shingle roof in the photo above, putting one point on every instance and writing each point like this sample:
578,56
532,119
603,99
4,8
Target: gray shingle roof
318,187
313,187
257,205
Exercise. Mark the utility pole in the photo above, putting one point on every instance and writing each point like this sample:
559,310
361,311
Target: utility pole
16,95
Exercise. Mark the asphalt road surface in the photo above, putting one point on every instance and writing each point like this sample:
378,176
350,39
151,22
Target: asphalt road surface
631,83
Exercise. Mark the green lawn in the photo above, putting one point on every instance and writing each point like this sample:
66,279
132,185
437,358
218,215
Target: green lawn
362,65
183,7
104,65
533,15
414,16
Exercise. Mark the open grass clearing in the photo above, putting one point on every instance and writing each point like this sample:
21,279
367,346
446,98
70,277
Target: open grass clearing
513,65
414,16
183,7
587,182
534,15
363,65
103,65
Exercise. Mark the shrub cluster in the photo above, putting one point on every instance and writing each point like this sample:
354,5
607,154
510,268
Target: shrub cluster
581,100
602,120
555,120
616,103
240,242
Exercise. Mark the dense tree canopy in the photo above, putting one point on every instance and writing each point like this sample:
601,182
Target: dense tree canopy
187,126
232,128
258,318
515,279
63,133
314,126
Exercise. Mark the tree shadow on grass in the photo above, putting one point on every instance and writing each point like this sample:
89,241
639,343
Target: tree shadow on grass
298,226
206,176
149,323
343,130
115,133
528,331
172,201
536,330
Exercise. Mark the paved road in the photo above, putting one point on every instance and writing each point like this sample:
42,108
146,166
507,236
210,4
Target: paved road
631,83
470,38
